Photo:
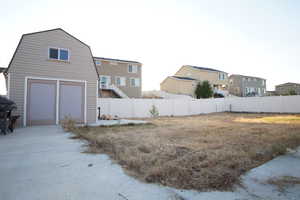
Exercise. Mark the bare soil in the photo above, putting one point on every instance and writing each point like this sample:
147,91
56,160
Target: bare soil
206,152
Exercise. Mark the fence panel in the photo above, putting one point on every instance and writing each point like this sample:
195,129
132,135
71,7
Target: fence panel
180,107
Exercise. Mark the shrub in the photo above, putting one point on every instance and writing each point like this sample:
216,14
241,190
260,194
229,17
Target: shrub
292,92
203,90
154,111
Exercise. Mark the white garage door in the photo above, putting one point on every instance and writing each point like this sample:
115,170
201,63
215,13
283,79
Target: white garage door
71,100
41,102
42,106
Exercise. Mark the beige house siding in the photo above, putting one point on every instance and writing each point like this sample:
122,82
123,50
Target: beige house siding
31,60
178,86
120,69
202,75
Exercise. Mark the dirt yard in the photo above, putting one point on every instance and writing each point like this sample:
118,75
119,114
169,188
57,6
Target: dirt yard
199,152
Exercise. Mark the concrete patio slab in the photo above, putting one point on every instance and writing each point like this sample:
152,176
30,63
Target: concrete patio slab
117,122
43,163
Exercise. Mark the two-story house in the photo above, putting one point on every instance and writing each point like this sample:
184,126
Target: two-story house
244,86
287,88
119,78
186,78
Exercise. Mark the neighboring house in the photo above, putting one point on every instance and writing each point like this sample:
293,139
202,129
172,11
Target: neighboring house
186,78
244,86
286,88
119,78
52,75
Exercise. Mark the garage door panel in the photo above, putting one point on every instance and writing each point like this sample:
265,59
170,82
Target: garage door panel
71,101
41,102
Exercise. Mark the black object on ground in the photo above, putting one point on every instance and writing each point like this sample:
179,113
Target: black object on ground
7,120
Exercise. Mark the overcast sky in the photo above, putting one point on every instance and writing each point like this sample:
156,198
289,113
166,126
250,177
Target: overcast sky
249,37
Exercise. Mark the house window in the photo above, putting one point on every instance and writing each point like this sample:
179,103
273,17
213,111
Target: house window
104,81
221,76
59,54
98,62
120,81
135,82
132,68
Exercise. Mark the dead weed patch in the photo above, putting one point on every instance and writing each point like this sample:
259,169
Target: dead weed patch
200,152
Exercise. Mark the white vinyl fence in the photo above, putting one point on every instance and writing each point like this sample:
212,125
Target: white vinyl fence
138,108
275,104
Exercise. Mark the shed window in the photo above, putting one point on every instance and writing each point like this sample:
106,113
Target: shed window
64,55
53,53
59,54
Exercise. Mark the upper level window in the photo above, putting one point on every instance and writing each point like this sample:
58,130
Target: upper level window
98,62
59,54
221,76
132,68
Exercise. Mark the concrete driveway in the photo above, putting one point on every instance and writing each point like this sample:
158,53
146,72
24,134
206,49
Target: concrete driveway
43,163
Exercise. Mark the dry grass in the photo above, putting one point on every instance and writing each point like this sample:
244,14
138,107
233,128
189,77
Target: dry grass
199,152
287,119
282,183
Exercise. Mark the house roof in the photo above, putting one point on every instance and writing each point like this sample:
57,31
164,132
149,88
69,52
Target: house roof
246,76
5,71
118,60
204,68
184,78
289,83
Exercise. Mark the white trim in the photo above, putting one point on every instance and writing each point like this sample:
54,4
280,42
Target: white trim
8,86
25,102
57,96
85,104
57,101
54,79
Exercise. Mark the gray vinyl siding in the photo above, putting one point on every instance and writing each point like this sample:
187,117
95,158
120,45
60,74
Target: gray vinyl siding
239,84
31,59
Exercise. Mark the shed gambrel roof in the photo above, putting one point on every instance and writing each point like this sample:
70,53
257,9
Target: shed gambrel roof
56,29
2,69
